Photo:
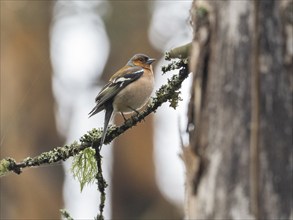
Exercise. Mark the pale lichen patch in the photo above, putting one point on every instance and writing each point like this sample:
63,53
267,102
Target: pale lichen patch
208,185
235,11
240,205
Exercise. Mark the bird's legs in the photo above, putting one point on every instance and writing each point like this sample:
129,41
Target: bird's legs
133,109
123,116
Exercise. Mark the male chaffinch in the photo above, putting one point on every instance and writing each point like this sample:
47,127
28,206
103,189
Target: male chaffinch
127,90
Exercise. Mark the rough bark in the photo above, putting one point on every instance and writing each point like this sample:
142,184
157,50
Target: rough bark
240,166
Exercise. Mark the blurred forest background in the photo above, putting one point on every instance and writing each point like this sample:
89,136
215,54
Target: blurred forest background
48,87
27,110
55,56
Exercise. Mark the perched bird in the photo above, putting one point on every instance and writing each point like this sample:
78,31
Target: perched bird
127,90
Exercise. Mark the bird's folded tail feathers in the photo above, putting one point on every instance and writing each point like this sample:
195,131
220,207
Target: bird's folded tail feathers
108,115
95,110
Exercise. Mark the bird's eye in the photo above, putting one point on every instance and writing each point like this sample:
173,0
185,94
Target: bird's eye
141,59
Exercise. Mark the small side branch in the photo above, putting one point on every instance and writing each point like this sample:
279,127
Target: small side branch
65,215
102,184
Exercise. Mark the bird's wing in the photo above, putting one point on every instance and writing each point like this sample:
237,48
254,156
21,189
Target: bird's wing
117,82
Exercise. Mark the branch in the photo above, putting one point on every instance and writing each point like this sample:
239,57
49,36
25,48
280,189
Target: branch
65,214
102,184
168,92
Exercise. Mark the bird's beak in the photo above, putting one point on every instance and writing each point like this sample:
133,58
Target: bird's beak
150,61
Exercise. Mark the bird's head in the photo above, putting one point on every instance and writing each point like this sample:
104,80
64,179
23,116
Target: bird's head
141,60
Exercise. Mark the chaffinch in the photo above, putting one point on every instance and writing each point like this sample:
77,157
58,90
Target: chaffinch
127,90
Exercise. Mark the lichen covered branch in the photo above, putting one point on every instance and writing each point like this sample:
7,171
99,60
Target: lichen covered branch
168,92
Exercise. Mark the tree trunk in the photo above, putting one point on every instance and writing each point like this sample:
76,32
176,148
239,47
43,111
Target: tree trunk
239,162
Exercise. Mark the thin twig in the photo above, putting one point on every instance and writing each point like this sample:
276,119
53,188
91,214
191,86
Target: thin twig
102,184
65,214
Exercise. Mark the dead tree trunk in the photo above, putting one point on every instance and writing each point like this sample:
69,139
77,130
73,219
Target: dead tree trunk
239,163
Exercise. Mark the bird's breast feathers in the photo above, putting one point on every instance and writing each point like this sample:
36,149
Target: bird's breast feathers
135,95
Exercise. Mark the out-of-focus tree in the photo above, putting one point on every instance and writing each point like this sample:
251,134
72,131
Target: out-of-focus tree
27,110
239,162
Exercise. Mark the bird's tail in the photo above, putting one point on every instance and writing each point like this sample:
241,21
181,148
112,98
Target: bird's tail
95,110
108,115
